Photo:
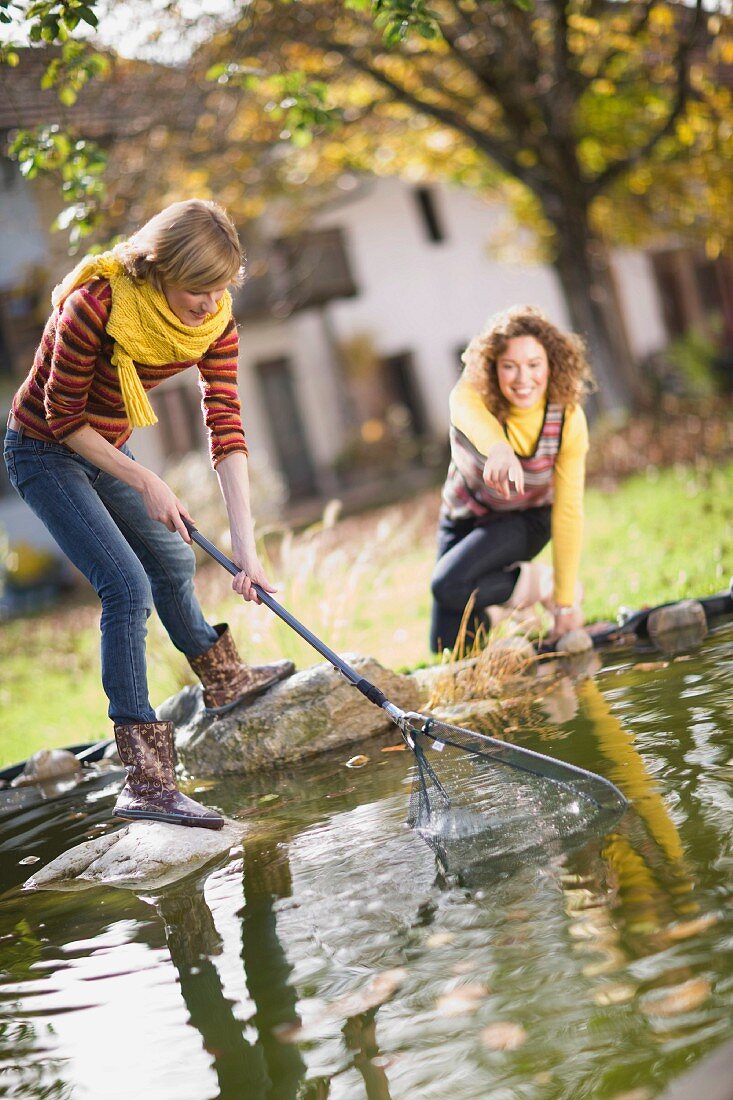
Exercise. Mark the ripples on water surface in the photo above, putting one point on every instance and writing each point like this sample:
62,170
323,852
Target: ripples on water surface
331,958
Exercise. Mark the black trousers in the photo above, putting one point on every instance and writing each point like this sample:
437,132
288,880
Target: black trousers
473,555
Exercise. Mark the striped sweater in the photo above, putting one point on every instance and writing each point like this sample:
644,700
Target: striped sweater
72,382
471,417
466,494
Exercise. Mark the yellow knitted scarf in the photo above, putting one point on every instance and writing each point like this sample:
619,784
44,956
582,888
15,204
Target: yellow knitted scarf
143,327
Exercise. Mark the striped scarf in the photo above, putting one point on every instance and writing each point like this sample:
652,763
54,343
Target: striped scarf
143,327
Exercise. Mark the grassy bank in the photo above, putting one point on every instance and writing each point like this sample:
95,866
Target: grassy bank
363,585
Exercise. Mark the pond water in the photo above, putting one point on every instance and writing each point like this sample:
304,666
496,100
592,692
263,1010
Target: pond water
331,957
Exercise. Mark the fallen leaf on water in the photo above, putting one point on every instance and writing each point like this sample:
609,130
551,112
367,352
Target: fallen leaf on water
465,999
681,998
686,928
357,762
504,1036
438,939
394,748
651,666
379,989
29,859
268,798
614,994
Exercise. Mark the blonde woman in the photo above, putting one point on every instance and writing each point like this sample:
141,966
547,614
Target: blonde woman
519,438
122,323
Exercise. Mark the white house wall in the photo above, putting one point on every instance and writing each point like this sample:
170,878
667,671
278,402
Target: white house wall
429,297
301,341
640,302
414,295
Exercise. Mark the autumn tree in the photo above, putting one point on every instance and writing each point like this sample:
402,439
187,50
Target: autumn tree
608,120
603,122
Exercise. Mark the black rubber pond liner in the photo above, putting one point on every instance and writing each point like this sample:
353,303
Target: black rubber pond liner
472,802
635,623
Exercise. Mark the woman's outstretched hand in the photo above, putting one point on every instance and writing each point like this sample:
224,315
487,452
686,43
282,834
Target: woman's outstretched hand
566,619
502,468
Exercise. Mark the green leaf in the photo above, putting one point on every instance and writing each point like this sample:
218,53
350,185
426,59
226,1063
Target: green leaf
88,16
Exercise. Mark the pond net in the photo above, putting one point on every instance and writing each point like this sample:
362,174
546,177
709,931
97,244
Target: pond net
476,799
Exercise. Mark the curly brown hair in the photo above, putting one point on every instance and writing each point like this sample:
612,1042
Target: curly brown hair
570,375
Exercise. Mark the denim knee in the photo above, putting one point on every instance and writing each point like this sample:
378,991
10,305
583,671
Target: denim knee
127,593
182,563
446,588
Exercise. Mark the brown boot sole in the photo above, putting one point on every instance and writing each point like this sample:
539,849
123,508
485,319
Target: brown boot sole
248,696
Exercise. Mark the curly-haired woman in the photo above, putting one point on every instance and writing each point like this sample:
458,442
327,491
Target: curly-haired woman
122,323
518,444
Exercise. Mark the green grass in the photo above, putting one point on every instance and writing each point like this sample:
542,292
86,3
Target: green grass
363,586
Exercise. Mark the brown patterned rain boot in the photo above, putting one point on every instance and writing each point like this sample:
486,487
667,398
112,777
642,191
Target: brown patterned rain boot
150,792
227,681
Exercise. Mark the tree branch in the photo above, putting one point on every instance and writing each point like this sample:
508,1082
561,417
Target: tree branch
501,152
601,182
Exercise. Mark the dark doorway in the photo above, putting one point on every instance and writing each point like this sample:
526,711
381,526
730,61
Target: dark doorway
398,372
288,432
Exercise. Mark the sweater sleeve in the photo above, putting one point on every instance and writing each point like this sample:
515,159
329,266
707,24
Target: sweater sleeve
80,330
469,415
222,412
567,509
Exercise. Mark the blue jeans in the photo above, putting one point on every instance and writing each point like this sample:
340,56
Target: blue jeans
474,556
132,561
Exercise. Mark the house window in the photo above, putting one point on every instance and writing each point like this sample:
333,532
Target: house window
401,390
316,268
429,214
287,430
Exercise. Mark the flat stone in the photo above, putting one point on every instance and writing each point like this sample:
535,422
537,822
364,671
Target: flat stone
48,765
142,855
575,641
311,712
710,1079
678,627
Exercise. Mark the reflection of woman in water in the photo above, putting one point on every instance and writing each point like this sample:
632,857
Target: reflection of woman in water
518,443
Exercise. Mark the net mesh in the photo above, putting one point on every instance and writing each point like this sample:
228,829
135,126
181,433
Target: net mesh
475,799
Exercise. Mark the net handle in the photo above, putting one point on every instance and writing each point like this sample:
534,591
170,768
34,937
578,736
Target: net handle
367,689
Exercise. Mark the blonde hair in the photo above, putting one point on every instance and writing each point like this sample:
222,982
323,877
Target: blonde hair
570,375
192,245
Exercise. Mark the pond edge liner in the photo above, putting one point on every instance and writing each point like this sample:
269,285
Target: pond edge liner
635,624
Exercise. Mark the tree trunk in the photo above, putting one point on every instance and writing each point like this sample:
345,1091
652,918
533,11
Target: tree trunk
582,266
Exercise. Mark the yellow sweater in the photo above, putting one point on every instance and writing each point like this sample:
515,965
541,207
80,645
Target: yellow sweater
470,415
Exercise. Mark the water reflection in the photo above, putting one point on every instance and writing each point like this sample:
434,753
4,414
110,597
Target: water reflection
327,959
193,941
